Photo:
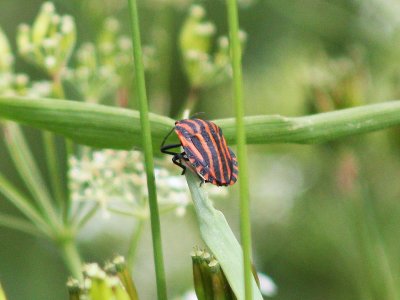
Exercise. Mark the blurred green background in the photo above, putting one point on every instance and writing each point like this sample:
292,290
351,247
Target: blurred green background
325,217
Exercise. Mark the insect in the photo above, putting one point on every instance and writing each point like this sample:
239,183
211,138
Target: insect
205,148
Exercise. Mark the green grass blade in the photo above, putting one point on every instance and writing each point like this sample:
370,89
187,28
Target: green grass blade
241,137
220,239
146,135
110,127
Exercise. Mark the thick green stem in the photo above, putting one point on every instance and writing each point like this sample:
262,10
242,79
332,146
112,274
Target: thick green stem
245,224
71,257
109,127
148,151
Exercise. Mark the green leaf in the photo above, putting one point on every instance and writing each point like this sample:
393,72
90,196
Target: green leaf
110,127
220,239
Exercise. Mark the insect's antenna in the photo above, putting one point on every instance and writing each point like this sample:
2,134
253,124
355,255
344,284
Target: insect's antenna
166,137
196,114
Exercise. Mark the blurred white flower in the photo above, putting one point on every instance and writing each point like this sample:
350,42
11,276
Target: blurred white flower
380,18
267,286
190,295
116,180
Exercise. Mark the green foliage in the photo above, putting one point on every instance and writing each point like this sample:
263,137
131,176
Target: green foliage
218,236
329,218
112,283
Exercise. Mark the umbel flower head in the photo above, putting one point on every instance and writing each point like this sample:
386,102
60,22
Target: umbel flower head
112,282
17,84
104,67
49,42
202,67
116,180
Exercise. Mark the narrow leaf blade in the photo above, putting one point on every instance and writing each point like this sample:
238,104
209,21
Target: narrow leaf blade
218,236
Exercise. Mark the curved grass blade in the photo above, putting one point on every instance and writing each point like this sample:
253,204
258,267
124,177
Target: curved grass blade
220,239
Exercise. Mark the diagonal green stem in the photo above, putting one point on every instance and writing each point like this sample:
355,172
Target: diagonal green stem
137,233
148,151
245,224
69,152
23,204
86,217
29,171
19,224
53,167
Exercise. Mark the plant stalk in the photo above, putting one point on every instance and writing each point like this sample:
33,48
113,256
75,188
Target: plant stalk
29,171
244,194
19,225
108,127
71,257
148,151
53,168
24,205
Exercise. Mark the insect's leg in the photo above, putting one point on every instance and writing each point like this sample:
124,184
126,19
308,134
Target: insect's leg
164,149
177,160
202,181
166,137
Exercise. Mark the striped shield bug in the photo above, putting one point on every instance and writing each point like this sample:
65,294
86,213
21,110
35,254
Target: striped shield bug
205,150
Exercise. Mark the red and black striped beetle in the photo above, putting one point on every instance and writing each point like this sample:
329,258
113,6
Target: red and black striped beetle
205,148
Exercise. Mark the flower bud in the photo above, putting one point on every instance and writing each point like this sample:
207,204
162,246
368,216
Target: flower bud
42,22
6,57
196,35
24,44
74,289
49,42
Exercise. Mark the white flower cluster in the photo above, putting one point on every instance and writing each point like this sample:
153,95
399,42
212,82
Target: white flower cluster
117,181
204,65
104,67
17,84
49,42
